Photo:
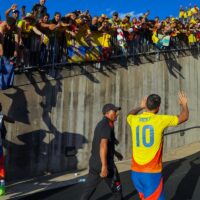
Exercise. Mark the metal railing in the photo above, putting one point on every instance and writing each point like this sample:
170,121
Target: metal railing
181,131
36,55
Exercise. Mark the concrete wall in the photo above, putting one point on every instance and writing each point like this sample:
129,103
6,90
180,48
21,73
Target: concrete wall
55,119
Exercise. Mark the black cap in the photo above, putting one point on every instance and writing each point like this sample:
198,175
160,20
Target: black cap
108,107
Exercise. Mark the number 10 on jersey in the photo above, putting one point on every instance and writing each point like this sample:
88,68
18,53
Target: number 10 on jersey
145,131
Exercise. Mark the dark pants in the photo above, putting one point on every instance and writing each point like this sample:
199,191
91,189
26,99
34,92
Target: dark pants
113,182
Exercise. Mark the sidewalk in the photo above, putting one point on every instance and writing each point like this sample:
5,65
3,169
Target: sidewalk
48,182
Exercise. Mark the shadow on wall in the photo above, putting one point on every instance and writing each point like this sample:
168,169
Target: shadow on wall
89,75
19,107
194,52
37,154
48,93
40,151
173,66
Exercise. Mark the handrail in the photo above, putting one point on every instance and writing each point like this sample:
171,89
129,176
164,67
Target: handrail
181,130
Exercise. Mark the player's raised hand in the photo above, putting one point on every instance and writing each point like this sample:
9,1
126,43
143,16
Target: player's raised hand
182,98
14,7
143,102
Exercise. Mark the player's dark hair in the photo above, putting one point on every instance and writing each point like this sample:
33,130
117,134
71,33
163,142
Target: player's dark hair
153,101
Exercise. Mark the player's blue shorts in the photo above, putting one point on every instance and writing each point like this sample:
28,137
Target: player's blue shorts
148,185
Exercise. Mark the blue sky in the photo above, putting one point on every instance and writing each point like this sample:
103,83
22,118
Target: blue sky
160,8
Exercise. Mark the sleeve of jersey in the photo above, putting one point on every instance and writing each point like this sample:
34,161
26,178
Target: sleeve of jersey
172,120
129,119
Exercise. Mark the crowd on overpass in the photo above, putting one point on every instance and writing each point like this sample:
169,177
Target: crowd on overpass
35,39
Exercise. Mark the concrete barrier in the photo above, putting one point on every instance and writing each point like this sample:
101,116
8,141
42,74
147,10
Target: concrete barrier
55,118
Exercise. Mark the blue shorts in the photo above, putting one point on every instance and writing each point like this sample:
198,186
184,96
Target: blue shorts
148,185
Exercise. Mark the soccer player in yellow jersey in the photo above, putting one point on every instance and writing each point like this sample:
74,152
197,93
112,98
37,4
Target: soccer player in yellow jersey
147,144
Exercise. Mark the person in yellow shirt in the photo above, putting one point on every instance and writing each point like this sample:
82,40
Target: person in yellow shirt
185,16
147,144
192,20
189,14
181,14
195,10
115,21
26,27
125,23
29,43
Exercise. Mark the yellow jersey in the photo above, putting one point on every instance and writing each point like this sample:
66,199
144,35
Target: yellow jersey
26,28
147,140
181,14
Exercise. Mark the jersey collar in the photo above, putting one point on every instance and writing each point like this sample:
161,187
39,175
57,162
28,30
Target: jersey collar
148,113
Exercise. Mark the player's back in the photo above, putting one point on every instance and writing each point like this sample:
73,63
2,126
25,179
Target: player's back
147,139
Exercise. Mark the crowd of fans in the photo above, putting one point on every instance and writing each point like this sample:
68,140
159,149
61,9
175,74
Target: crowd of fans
31,38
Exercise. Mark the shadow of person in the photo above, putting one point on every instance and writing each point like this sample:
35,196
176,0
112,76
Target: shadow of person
128,189
173,66
188,184
41,152
171,167
19,106
48,92
28,151
63,151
